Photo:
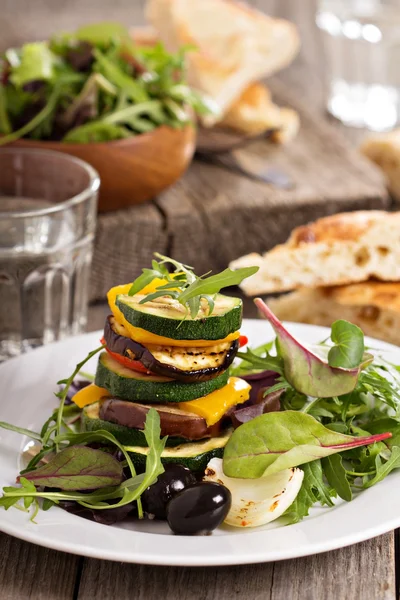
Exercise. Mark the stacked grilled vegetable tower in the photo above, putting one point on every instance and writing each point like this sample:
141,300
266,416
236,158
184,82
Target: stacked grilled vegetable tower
157,355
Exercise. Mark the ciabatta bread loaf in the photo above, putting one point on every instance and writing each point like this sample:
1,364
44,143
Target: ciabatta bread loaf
343,248
236,44
373,306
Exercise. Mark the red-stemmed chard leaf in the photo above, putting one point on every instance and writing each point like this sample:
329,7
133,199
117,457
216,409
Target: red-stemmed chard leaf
276,441
305,370
78,468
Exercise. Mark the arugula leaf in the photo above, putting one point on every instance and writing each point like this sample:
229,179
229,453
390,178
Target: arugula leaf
132,88
150,108
336,476
184,286
245,367
386,424
348,350
281,440
41,116
21,430
28,490
67,384
384,469
125,493
78,468
313,489
215,283
259,363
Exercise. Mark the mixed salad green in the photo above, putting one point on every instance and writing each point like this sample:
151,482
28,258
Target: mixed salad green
93,85
321,422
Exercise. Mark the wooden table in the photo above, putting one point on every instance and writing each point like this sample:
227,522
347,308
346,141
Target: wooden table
365,571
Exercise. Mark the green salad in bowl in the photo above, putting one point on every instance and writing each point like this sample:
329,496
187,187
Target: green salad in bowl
93,85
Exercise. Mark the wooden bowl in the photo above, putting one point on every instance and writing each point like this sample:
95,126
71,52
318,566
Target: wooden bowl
135,169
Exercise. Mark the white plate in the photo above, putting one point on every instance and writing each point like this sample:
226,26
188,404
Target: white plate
27,386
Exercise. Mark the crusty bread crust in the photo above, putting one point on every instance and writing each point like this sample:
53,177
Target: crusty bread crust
373,306
343,248
254,112
384,150
237,44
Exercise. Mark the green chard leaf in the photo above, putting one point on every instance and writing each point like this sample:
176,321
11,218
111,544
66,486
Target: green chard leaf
281,440
348,350
307,371
78,468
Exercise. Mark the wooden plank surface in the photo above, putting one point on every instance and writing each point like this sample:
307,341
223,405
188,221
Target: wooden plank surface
125,241
28,572
365,571
361,572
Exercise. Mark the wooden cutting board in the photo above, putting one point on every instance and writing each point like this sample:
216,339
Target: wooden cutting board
213,215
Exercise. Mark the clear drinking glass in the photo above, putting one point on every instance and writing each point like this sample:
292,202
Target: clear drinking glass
48,203
362,48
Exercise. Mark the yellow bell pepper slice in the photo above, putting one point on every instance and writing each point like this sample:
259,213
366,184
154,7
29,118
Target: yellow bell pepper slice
213,406
146,337
89,395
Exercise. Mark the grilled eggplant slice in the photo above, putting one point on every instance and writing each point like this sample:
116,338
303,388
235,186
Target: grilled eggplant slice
173,421
183,364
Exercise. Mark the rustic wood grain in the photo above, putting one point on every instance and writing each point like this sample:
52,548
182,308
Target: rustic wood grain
28,572
125,242
364,571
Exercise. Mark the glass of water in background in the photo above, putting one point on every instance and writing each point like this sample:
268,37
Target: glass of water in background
48,203
362,47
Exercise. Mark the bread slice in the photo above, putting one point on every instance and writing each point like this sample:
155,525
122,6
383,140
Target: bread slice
254,112
236,44
384,150
343,248
373,306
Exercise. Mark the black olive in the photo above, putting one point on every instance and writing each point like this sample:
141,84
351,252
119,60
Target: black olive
199,509
174,479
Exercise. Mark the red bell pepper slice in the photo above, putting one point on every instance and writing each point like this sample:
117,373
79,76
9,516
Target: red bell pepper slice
243,340
125,361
